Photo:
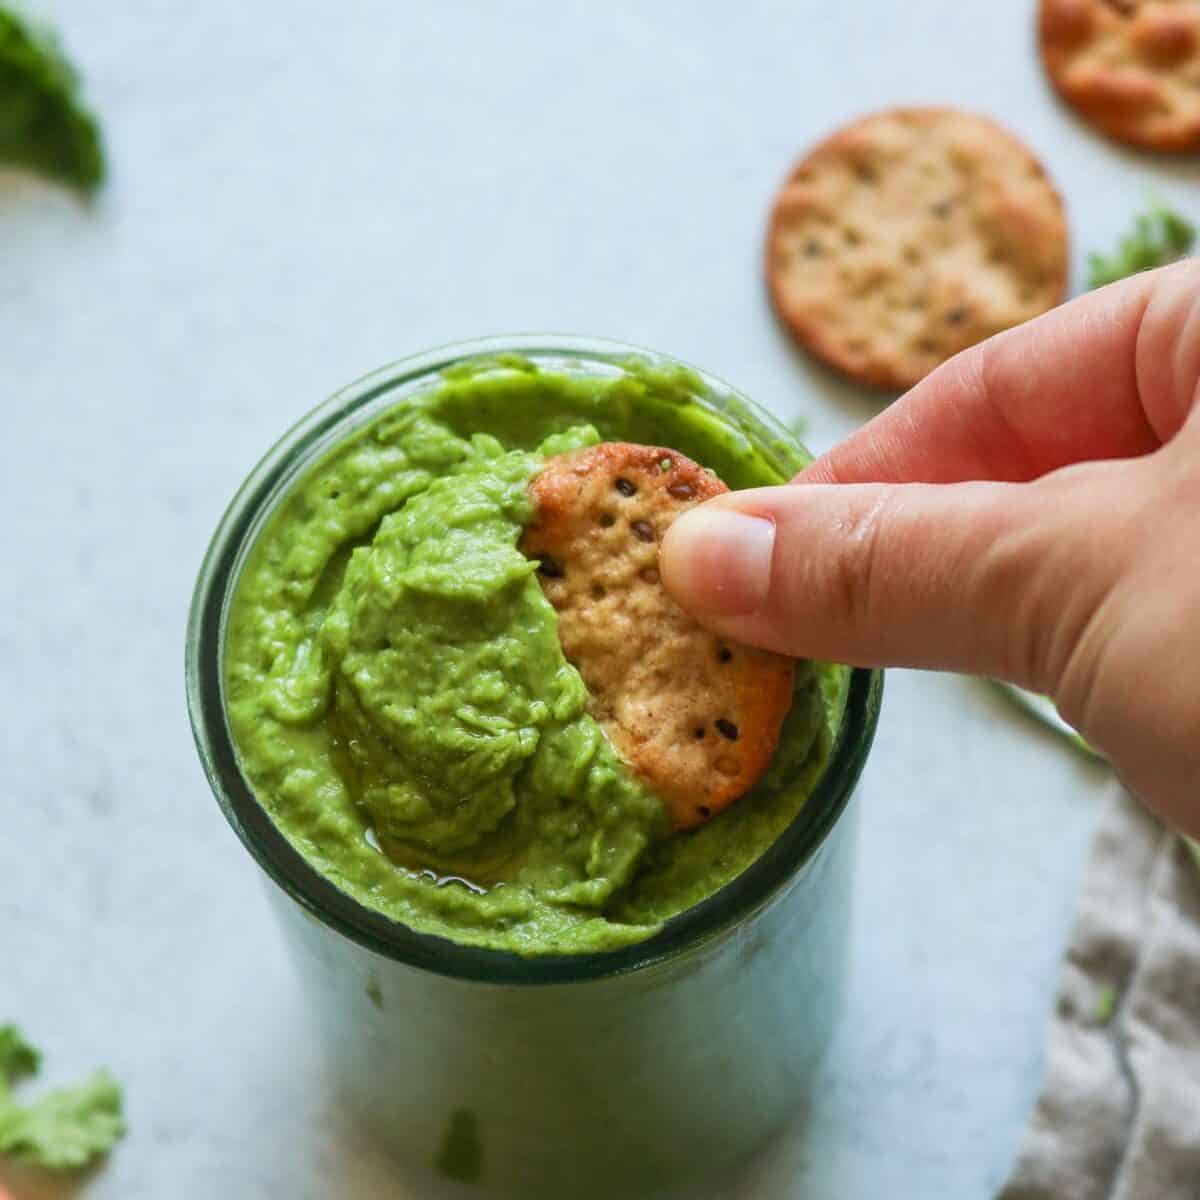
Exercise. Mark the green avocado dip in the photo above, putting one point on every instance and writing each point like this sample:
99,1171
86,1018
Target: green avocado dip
399,699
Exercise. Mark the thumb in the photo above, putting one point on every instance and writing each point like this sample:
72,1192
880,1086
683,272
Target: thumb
988,578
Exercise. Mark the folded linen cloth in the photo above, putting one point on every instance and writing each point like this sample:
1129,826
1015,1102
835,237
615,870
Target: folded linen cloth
1119,1113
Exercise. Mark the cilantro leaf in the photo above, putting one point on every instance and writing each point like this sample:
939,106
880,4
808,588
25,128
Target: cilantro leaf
1106,1005
43,125
66,1128
17,1058
1159,237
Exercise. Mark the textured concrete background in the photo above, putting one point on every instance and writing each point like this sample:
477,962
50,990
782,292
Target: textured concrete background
300,193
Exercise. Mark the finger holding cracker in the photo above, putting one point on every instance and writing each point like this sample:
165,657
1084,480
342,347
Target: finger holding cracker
909,236
695,716
1131,68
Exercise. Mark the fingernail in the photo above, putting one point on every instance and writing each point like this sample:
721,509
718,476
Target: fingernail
718,561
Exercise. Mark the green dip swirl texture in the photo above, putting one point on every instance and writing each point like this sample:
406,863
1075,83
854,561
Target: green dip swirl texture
400,701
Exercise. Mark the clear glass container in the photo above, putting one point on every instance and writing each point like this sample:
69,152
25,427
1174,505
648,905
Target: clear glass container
610,1074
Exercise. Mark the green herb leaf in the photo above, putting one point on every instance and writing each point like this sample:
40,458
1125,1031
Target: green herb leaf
17,1057
43,125
66,1129
1159,237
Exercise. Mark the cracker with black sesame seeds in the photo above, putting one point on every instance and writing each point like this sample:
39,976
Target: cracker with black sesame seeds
694,716
1131,68
909,236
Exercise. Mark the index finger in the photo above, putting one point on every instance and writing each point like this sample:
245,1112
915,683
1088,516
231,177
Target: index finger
1104,376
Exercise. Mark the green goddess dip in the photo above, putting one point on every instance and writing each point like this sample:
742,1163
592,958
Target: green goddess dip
399,699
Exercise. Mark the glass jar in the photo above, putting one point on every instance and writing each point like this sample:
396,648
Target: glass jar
603,1074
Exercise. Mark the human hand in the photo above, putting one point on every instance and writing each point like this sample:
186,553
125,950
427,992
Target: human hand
1030,511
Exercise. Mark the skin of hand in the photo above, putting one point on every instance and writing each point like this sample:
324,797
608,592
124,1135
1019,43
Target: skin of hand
1030,511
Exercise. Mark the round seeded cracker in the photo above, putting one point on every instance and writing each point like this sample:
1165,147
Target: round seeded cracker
909,236
1131,68
695,716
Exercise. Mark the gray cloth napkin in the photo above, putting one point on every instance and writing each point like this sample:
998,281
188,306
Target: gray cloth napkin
1119,1113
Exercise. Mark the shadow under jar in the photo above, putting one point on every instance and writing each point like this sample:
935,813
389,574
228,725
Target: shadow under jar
620,1067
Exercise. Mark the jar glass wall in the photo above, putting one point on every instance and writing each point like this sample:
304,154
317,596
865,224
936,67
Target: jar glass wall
603,1073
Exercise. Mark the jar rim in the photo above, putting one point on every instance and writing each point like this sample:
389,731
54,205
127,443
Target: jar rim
749,891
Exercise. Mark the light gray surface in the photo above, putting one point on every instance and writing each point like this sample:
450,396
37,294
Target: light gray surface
299,193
